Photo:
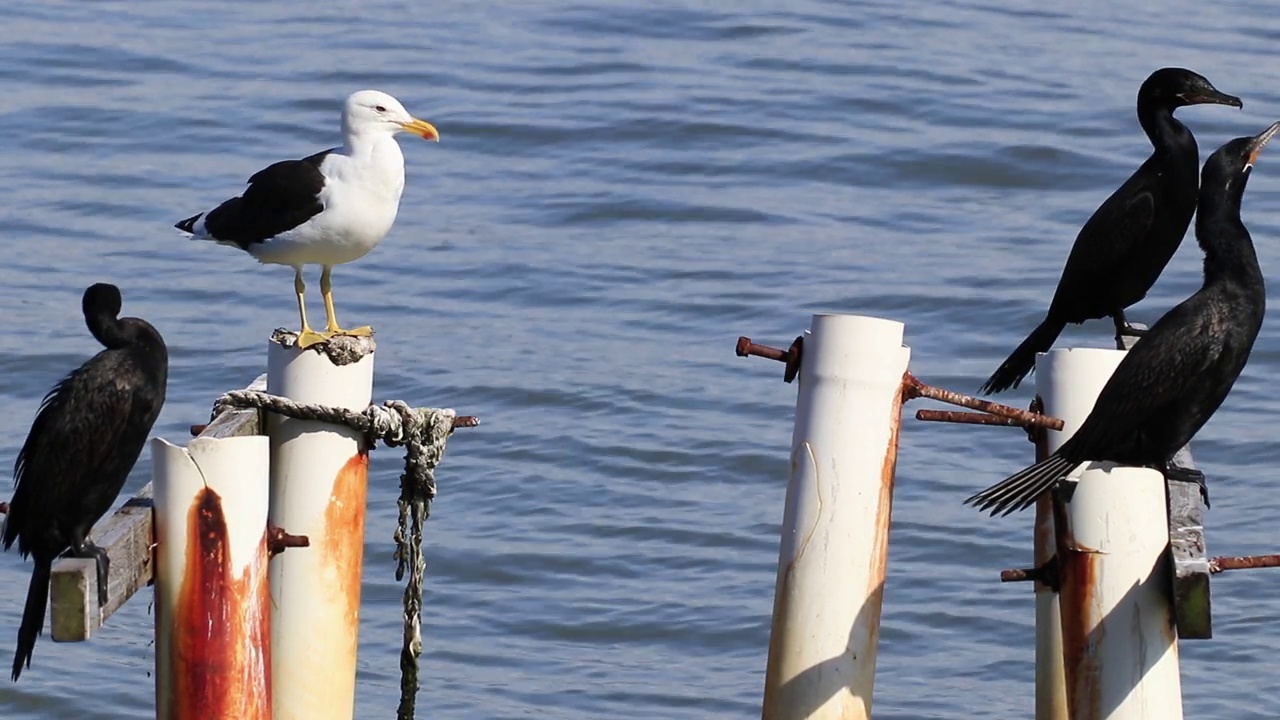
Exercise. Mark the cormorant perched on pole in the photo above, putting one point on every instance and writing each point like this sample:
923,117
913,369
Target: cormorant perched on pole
86,438
1173,379
1123,248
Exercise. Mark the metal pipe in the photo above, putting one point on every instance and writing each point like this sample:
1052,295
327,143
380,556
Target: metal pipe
318,489
212,605
831,564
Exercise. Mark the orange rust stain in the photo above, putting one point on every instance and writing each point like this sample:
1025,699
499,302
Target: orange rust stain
1079,577
220,657
342,549
880,560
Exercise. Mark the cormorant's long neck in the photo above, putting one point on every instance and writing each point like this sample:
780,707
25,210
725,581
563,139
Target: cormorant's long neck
110,331
1229,256
1168,135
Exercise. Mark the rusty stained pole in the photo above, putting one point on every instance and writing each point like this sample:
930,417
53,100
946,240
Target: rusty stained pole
319,478
1067,385
1111,534
212,607
831,565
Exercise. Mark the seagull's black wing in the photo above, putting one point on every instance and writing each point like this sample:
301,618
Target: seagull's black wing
279,198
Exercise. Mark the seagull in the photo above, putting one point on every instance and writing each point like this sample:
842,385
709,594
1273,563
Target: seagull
330,208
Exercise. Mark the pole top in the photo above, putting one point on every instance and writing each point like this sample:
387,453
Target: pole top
340,349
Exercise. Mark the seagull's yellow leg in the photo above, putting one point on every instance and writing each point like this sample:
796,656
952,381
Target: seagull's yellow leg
331,325
306,337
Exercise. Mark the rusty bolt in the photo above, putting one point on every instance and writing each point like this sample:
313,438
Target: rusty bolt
197,429
1046,574
4,508
465,421
791,356
278,540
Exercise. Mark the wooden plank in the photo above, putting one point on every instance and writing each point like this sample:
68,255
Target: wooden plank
1191,597
128,537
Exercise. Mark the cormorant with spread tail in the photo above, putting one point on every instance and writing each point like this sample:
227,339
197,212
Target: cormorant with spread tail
1123,248
86,438
1177,375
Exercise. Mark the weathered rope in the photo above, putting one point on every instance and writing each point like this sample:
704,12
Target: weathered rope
423,432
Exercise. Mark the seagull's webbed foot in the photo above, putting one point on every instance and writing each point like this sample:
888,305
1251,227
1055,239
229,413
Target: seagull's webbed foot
308,337
362,331
331,326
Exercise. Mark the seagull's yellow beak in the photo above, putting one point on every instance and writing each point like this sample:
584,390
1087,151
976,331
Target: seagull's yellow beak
422,129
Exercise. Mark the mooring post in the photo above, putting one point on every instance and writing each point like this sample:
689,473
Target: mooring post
1067,382
1111,534
318,489
212,604
831,565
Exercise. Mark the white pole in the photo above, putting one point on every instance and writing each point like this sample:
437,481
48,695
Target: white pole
318,489
1067,381
831,564
212,606
1119,634
1119,640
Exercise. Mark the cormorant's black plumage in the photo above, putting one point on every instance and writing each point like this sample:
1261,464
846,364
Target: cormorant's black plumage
1125,245
1176,376
85,439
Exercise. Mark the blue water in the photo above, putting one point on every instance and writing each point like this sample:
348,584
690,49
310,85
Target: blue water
623,188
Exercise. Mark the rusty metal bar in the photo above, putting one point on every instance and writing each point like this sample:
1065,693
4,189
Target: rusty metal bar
791,356
1243,562
914,388
967,418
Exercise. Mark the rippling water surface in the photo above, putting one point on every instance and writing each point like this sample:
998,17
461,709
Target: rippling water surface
622,189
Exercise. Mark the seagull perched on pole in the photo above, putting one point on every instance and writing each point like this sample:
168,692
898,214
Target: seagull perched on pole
326,209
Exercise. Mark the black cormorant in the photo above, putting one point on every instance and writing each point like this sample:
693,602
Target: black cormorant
1123,248
1176,376
86,438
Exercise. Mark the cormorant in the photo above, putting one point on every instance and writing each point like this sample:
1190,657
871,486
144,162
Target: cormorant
1174,378
1123,248
85,439
329,208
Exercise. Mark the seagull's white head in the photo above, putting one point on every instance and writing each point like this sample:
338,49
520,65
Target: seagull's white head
370,111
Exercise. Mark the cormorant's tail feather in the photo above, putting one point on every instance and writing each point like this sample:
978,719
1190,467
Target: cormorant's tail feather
1023,359
189,225
1023,487
32,615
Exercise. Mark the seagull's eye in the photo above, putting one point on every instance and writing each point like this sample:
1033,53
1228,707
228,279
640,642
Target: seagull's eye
379,108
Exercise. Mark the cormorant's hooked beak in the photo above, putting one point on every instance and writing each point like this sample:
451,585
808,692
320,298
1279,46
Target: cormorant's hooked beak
422,129
1211,95
1259,142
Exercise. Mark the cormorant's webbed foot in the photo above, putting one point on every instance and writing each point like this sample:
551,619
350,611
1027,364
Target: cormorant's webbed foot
87,549
1181,474
1124,329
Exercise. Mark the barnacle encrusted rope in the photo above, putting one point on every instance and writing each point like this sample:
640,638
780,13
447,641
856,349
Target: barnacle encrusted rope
423,432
